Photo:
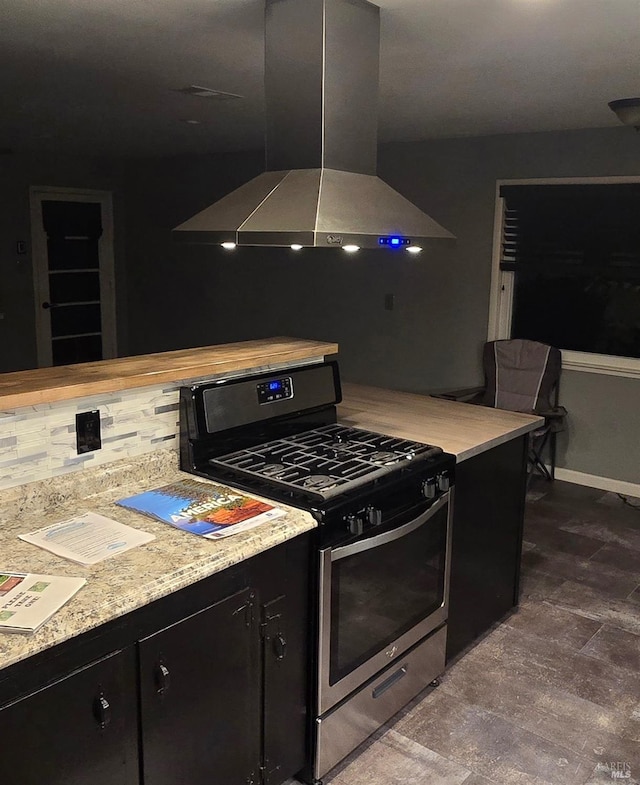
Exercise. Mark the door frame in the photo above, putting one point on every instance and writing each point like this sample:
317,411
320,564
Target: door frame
39,261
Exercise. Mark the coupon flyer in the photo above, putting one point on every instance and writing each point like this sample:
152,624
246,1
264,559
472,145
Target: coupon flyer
28,600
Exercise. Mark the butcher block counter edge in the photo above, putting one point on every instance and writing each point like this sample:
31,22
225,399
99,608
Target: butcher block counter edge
61,383
460,428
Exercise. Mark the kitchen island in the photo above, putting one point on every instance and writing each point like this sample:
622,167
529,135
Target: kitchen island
148,626
132,680
135,399
491,447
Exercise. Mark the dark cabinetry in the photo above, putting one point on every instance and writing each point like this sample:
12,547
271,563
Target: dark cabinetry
199,697
80,729
284,625
487,541
207,685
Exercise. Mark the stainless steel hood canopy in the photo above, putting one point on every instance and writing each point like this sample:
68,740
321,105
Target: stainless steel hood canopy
320,188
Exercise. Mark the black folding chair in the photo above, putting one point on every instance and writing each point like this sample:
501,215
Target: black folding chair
522,376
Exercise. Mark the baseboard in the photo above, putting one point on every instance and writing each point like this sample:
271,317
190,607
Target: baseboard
603,483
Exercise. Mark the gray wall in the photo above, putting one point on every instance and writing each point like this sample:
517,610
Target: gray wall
465,171
186,296
189,296
603,436
17,174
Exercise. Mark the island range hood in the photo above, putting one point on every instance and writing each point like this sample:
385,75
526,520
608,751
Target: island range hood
320,188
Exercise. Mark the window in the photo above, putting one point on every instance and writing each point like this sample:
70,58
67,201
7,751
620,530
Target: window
567,270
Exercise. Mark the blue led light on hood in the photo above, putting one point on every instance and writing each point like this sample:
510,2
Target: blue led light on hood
394,241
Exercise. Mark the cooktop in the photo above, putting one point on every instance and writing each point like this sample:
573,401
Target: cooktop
325,461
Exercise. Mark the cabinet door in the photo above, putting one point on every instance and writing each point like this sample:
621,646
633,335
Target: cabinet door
81,729
488,516
200,698
285,635
284,696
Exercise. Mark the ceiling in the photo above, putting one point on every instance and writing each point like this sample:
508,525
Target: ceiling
99,76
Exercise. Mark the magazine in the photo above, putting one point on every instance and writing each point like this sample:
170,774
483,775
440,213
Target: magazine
212,511
27,600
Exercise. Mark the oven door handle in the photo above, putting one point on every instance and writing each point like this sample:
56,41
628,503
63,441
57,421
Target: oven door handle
390,536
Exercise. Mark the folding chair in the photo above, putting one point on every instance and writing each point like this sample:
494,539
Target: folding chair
522,376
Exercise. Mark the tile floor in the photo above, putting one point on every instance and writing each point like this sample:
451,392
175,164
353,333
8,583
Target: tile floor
552,695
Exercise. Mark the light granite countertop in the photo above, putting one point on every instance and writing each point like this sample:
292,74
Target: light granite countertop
116,586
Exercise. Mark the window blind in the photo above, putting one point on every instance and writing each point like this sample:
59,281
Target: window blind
573,230
574,251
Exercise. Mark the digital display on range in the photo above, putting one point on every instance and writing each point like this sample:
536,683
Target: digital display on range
275,390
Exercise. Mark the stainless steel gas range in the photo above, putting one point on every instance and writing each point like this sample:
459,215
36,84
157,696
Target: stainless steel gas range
382,563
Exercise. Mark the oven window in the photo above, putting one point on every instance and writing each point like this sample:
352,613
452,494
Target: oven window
379,594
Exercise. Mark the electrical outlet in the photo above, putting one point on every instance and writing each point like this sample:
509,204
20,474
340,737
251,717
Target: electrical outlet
88,431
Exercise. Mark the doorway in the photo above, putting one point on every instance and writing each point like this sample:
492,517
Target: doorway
73,271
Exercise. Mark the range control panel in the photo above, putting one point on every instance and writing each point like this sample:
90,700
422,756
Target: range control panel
275,390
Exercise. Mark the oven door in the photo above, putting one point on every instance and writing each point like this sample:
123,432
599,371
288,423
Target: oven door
379,595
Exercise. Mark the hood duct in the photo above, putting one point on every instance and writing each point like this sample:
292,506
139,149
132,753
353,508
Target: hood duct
320,188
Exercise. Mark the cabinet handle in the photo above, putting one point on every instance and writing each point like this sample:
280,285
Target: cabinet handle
388,683
163,678
102,710
280,646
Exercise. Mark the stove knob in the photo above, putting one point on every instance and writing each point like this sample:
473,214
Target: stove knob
374,516
443,482
429,488
355,524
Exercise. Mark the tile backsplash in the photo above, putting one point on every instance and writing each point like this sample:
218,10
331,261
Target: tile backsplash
38,442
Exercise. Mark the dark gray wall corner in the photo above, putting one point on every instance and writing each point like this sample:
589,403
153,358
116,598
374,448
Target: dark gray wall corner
176,298
17,330
17,174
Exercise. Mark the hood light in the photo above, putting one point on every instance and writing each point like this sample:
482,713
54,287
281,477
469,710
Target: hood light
414,249
229,246
350,248
296,247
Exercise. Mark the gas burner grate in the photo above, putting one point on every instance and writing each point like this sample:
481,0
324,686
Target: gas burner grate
385,458
324,461
319,482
